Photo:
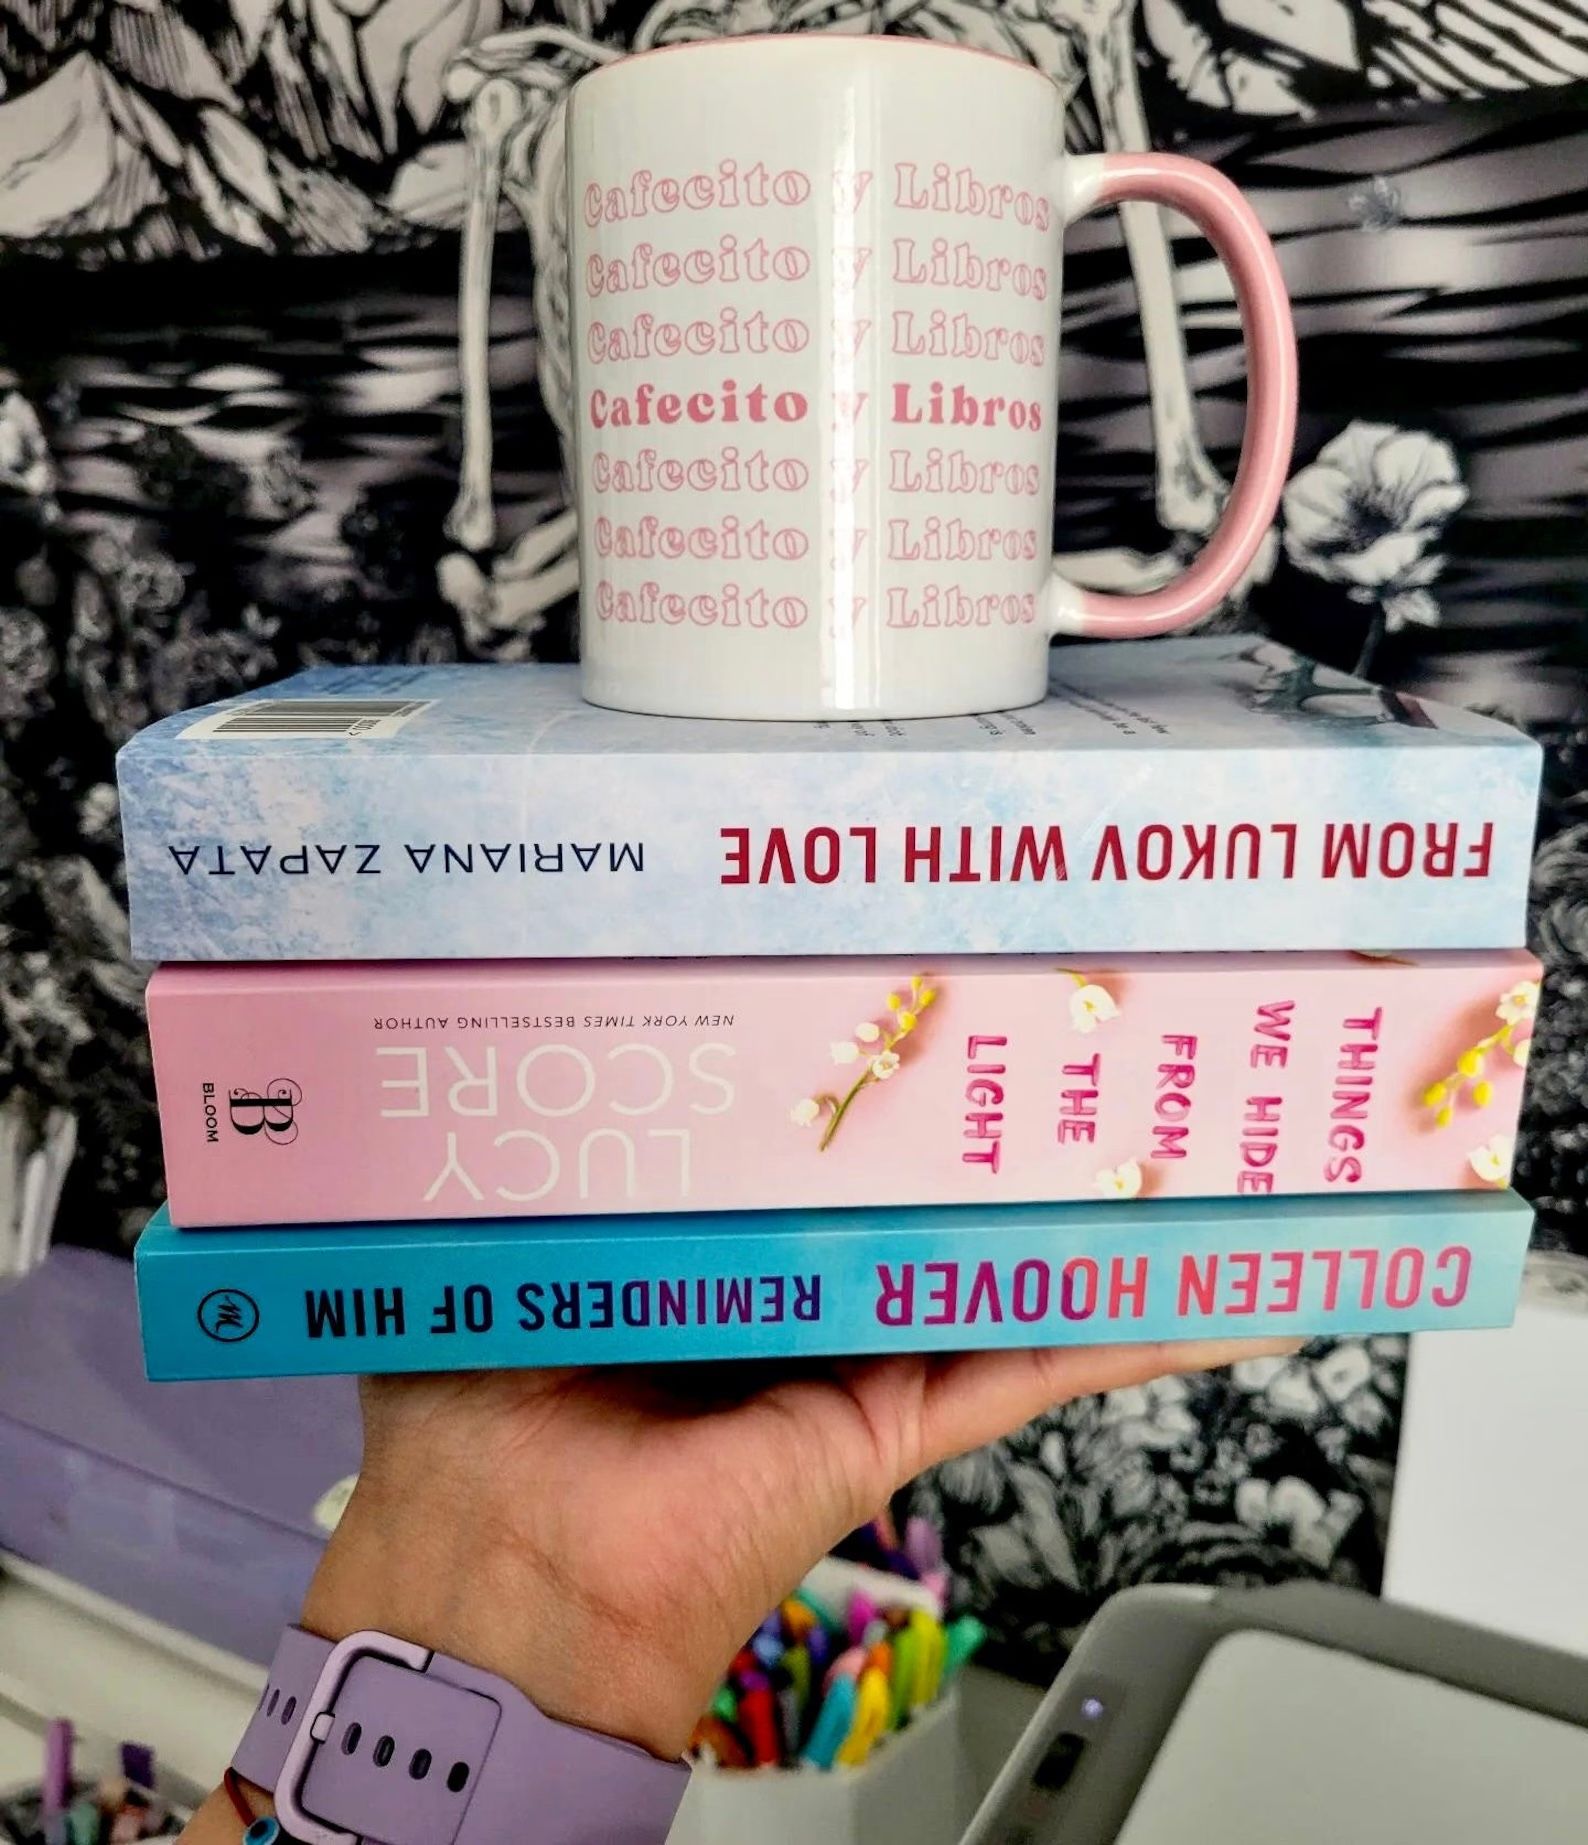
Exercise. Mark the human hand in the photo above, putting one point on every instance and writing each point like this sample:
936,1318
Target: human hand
607,1539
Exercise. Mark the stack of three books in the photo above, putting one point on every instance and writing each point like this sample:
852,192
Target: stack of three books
496,1029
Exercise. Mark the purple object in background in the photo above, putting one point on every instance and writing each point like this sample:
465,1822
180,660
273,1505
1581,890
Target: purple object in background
192,1503
137,1764
55,1792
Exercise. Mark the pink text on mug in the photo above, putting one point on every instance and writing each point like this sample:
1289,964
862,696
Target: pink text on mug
816,287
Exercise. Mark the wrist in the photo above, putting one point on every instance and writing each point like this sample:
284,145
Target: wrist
391,1567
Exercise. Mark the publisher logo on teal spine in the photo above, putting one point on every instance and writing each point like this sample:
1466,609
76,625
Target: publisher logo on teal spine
228,1316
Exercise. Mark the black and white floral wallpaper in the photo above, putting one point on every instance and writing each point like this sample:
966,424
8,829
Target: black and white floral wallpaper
240,244
1276,1469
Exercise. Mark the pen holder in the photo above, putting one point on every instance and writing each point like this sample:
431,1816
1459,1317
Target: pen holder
913,1791
22,1819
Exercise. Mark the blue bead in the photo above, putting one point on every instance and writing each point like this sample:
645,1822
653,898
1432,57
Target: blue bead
262,1832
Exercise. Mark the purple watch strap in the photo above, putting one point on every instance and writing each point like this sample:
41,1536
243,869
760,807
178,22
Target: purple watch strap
357,1744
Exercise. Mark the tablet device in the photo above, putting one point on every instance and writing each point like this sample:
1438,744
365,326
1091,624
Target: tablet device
1303,1715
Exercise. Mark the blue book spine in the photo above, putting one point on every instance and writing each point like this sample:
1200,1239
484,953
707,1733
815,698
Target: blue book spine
571,1291
1184,794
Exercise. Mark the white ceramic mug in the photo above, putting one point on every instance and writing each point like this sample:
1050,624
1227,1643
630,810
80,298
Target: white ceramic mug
816,298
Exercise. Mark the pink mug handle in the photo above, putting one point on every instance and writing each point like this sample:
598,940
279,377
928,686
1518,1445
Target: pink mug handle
1223,216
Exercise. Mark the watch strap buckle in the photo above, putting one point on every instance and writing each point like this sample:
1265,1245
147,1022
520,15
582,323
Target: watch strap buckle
315,1726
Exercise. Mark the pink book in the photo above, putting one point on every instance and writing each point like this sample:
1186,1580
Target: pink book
298,1093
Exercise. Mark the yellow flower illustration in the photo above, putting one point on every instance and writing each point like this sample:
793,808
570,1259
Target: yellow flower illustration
1090,1004
1121,1181
877,1048
1468,1081
1519,1006
1492,1161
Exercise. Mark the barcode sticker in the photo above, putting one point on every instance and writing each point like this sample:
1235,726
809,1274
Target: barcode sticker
283,719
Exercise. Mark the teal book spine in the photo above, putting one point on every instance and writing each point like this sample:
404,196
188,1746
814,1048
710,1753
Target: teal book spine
818,1283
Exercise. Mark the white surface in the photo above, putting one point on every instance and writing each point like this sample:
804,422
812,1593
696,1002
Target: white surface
19,1746
1281,1740
1489,1522
118,1676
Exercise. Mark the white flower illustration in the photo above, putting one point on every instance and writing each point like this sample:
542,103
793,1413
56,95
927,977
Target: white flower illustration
1521,1052
25,461
1090,1005
876,1052
1156,1415
1519,1006
1122,1181
1369,513
1291,1513
1492,1161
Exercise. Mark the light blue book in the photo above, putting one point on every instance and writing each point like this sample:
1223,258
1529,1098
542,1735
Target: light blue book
1217,793
803,1284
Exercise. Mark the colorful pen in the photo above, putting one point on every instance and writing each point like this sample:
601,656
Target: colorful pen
832,1724
798,1619
903,1680
870,1720
862,1612
83,1822
724,1746
819,1648
923,1628
137,1764
758,1721
820,1687
790,1707
923,1545
961,1641
819,1609
797,1663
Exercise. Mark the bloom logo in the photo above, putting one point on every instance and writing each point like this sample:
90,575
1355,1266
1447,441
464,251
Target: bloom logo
272,1112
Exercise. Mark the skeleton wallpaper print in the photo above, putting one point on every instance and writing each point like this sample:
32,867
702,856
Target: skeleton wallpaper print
284,379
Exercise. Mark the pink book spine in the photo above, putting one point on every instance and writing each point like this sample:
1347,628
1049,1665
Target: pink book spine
293,1093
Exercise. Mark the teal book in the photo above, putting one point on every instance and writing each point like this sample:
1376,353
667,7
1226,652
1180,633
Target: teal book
818,1283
